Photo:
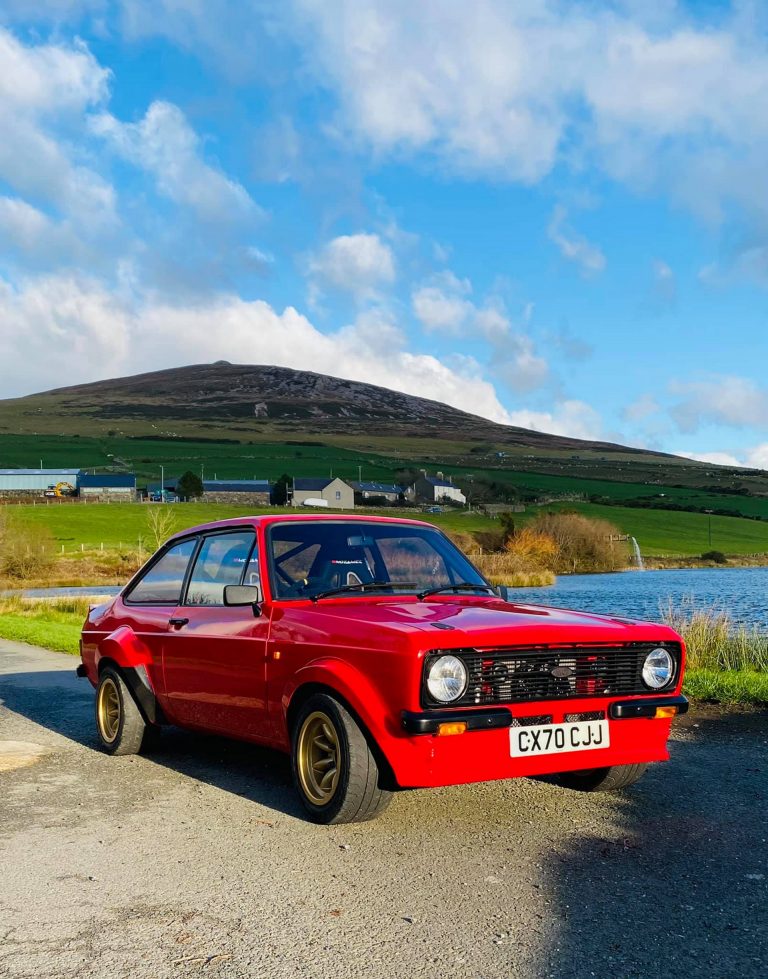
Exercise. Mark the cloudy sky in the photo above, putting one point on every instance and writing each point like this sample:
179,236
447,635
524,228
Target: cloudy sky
553,214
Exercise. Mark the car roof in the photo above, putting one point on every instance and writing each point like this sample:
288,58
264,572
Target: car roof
270,518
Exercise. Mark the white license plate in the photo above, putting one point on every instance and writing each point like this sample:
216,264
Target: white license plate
551,739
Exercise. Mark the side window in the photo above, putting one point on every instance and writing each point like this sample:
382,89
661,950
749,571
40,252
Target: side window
161,585
221,561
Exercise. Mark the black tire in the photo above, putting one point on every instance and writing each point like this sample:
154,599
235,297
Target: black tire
119,724
602,779
354,793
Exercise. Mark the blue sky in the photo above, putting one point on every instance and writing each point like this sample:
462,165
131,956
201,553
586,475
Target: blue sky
552,214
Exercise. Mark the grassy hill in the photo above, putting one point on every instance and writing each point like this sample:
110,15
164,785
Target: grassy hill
231,421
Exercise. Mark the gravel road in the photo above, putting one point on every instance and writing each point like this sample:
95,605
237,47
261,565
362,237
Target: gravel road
195,860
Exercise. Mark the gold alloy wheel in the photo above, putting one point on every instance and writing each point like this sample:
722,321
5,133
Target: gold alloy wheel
318,758
108,709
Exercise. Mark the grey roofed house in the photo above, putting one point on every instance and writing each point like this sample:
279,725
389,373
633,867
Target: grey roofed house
434,489
334,491
367,489
370,487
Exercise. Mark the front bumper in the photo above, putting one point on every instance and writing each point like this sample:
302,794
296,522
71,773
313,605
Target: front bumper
428,722
424,758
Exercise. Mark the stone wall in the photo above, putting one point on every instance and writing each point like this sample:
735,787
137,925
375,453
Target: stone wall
238,499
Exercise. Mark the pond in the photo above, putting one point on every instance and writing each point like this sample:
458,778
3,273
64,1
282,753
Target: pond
742,592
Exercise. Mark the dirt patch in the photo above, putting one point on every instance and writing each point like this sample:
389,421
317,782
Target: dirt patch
20,754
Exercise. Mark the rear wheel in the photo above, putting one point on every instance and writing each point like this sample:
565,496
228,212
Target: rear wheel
602,779
334,771
119,723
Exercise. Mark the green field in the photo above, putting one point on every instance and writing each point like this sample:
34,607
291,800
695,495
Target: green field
269,460
666,533
659,532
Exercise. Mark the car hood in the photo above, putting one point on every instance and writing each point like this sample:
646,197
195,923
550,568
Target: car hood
475,622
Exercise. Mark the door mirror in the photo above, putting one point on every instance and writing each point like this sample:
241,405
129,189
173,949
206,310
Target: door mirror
502,591
242,595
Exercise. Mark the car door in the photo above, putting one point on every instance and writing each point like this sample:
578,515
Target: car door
151,601
214,658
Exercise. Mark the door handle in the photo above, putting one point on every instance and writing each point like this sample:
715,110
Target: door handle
177,623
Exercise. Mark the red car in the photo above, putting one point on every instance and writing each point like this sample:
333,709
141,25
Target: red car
373,652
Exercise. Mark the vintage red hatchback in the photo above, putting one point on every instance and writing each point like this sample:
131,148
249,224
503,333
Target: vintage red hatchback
375,654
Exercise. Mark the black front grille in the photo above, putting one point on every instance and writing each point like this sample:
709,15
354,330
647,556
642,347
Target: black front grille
508,676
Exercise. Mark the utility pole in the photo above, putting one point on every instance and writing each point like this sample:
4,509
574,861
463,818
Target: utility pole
162,484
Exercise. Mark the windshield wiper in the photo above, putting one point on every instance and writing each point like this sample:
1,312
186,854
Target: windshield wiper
361,586
461,586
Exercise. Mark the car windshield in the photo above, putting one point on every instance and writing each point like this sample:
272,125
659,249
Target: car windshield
308,559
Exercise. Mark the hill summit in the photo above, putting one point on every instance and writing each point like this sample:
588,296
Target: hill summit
225,400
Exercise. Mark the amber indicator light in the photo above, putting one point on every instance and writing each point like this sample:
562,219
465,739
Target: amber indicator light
451,727
665,711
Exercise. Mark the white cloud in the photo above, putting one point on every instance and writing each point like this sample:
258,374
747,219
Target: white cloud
359,264
572,418
44,92
573,246
649,94
441,306
715,458
751,458
76,330
49,79
724,400
165,145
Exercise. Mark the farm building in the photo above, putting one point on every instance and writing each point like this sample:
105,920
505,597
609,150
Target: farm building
335,492
248,492
434,489
32,483
108,487
372,493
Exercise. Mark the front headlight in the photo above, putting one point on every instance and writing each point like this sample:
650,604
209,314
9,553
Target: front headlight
658,668
447,679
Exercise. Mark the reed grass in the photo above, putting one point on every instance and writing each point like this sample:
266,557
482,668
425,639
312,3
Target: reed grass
501,568
52,623
714,641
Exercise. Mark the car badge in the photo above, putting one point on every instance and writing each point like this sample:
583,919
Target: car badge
562,672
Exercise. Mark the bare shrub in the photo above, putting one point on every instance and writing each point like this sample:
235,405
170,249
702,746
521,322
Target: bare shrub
583,543
24,553
161,523
532,550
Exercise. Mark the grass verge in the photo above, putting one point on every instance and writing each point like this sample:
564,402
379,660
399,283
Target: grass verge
727,686
54,625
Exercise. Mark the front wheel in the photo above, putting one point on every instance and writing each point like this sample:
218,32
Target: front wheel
602,779
334,771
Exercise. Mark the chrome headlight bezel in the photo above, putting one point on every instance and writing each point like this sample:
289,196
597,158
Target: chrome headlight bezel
450,670
659,669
